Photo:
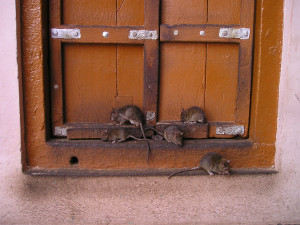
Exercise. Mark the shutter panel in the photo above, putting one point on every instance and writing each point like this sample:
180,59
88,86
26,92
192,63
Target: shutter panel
103,68
200,68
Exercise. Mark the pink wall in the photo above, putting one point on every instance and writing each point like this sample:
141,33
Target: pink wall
250,199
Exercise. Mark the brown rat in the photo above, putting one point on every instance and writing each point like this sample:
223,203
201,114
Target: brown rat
171,134
118,135
130,114
193,115
211,162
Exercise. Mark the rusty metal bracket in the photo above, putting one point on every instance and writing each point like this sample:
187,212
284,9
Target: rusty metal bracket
241,33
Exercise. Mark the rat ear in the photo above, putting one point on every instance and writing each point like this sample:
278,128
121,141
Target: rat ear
106,130
182,109
228,161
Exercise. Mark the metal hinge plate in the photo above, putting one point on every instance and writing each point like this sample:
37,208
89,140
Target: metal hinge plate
143,34
65,33
241,33
60,131
150,116
230,130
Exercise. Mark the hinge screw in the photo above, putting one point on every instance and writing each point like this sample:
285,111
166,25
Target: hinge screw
54,33
224,33
76,34
175,32
202,32
105,34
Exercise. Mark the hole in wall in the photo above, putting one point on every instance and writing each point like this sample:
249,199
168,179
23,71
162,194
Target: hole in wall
73,160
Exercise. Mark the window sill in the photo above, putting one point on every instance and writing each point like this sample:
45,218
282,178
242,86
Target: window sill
147,172
200,144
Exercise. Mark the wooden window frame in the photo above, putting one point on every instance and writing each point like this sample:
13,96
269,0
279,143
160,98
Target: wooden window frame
41,154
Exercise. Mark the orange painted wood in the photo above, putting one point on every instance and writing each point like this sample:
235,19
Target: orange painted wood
130,12
174,12
89,12
130,79
89,82
225,12
56,83
221,82
182,78
151,61
245,68
197,130
51,156
96,130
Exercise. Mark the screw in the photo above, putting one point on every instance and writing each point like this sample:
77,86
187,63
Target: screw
76,33
55,86
54,33
202,32
105,34
175,32
142,35
246,33
224,33
134,34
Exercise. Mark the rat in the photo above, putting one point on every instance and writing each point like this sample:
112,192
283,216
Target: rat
171,134
118,135
133,115
211,162
193,115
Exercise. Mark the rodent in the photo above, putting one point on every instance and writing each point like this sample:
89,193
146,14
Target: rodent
117,135
193,114
211,162
133,115
171,134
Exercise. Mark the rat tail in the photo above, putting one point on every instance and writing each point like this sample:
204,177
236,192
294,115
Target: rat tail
182,171
145,139
150,128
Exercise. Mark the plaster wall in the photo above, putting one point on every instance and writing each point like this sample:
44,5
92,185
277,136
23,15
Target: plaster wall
250,199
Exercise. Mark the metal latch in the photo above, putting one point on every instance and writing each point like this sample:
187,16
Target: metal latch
65,33
230,130
241,33
143,34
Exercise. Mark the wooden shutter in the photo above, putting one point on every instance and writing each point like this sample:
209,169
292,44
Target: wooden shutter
103,68
198,67
191,63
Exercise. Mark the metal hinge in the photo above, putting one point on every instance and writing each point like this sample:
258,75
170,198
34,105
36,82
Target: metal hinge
230,130
150,116
65,33
241,33
143,34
